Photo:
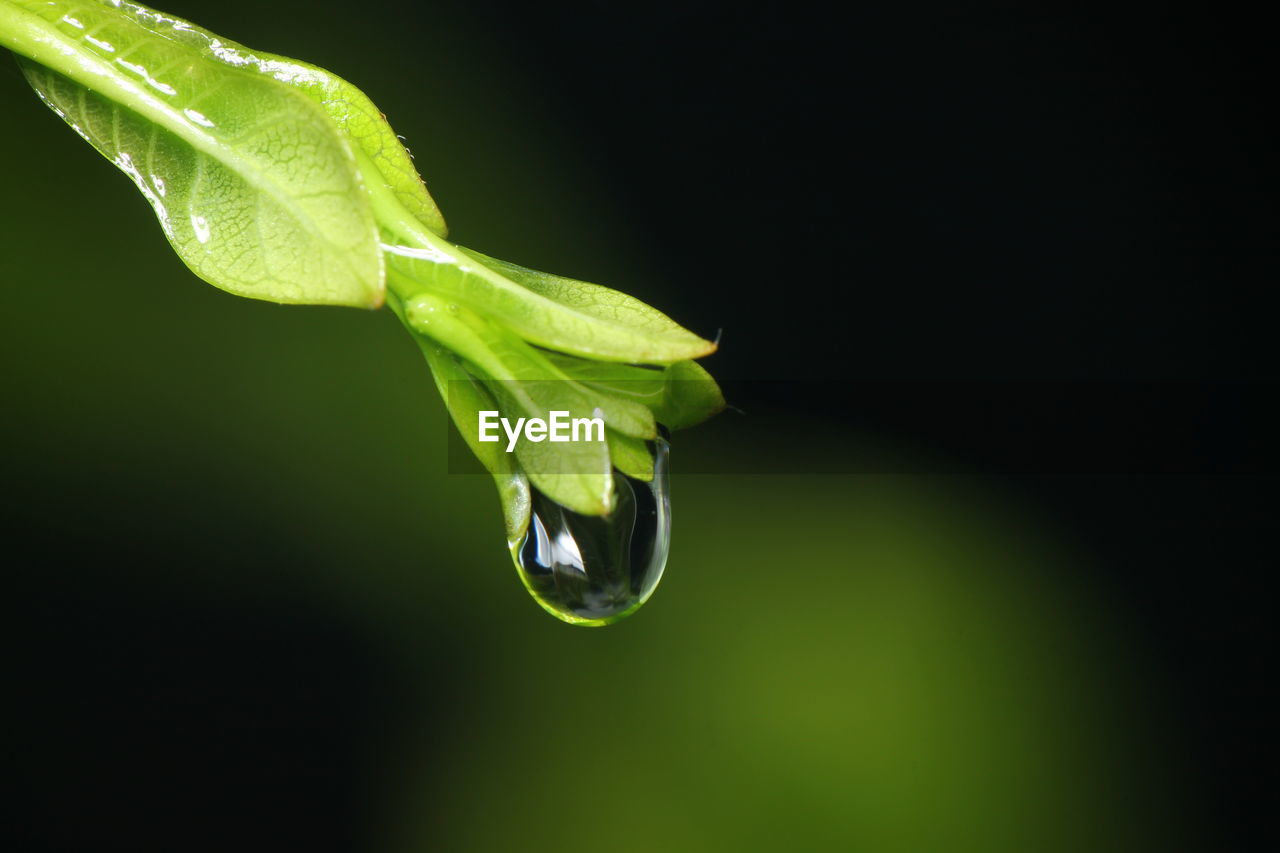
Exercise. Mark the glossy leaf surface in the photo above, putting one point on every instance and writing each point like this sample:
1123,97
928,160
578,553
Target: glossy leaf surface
349,108
255,186
680,395
563,314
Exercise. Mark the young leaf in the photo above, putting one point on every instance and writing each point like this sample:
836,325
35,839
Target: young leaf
348,107
557,313
680,395
255,186
586,319
466,397
574,474
691,396
630,456
569,475
504,357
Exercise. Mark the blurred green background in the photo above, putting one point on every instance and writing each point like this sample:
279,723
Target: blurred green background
251,593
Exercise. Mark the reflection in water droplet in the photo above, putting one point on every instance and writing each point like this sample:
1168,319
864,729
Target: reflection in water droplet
594,570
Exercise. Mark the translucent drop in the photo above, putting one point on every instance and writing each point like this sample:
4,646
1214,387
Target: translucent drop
594,570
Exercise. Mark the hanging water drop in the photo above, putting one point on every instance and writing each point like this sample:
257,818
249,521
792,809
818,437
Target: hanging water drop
594,570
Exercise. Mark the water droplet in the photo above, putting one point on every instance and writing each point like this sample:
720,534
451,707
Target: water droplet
594,570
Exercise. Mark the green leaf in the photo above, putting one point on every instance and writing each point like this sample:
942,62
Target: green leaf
255,186
348,107
465,397
504,357
585,319
631,456
577,475
569,316
574,474
680,395
691,396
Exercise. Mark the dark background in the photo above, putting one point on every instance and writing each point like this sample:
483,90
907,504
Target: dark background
1037,244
